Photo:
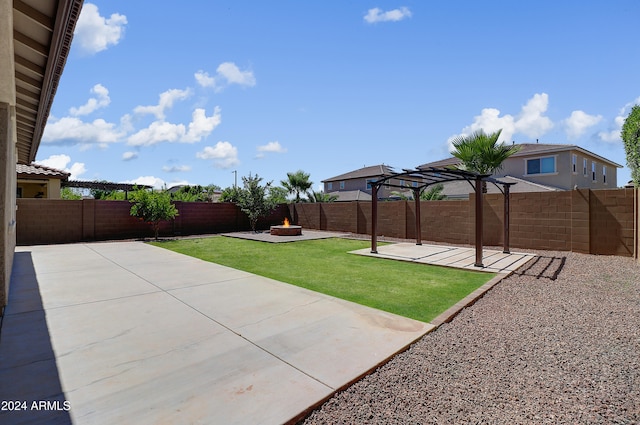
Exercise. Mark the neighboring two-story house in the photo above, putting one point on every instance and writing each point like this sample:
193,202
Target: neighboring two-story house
356,185
542,167
536,167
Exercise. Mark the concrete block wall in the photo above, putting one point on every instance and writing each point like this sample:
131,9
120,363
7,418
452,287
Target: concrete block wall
445,221
587,221
598,222
60,222
541,220
47,221
612,222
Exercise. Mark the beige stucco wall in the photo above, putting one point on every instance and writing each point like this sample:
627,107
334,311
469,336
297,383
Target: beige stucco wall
33,188
564,177
361,184
8,157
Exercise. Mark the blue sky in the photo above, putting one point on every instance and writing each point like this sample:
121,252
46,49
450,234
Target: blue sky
157,93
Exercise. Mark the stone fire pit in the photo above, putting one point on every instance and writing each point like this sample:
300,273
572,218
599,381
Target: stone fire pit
286,229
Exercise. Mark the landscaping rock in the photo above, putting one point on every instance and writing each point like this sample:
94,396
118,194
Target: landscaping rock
533,350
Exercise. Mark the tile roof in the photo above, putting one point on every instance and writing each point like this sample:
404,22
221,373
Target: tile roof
372,171
525,150
461,189
36,170
351,195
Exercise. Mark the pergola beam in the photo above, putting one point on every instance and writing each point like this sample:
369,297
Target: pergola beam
479,222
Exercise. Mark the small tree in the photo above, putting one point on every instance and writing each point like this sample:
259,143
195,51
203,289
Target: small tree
278,194
253,200
631,137
70,194
152,207
231,194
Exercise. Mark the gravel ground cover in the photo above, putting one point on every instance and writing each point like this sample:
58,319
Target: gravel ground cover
556,343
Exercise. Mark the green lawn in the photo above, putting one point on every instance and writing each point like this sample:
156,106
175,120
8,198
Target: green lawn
412,290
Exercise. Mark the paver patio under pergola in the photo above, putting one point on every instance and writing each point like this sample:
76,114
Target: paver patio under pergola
430,176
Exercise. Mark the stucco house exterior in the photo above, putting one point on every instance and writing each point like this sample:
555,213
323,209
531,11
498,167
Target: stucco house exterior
355,185
546,167
536,167
35,39
38,181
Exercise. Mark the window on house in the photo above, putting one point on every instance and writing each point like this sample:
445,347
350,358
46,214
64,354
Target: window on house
330,186
545,165
604,174
414,184
574,163
584,167
401,182
593,171
369,183
342,185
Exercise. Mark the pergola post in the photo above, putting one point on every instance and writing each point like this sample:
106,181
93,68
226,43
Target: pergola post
416,197
506,220
479,221
374,219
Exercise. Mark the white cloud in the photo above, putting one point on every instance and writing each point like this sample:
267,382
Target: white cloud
378,15
201,125
155,182
176,168
530,122
70,130
275,147
272,147
613,134
100,101
163,131
166,101
204,79
179,183
579,122
94,33
230,72
61,162
158,131
227,73
224,155
128,156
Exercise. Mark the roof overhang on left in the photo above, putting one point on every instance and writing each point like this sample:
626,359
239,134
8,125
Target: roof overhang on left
42,34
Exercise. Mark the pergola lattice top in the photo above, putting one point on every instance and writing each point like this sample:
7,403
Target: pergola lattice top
432,175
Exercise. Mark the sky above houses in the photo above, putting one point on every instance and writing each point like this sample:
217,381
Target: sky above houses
203,93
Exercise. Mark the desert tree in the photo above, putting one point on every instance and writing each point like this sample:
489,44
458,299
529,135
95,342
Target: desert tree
631,138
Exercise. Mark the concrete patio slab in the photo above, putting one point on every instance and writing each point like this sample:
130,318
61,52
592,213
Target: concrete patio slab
448,256
126,332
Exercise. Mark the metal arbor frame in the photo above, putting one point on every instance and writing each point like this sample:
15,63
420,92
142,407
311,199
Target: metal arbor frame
430,176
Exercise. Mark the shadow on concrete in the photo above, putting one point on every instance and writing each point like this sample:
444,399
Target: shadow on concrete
30,388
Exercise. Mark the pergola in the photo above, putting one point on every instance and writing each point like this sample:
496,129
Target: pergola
423,178
126,187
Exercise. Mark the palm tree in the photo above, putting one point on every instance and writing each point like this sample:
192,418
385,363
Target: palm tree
314,196
434,193
481,152
297,183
